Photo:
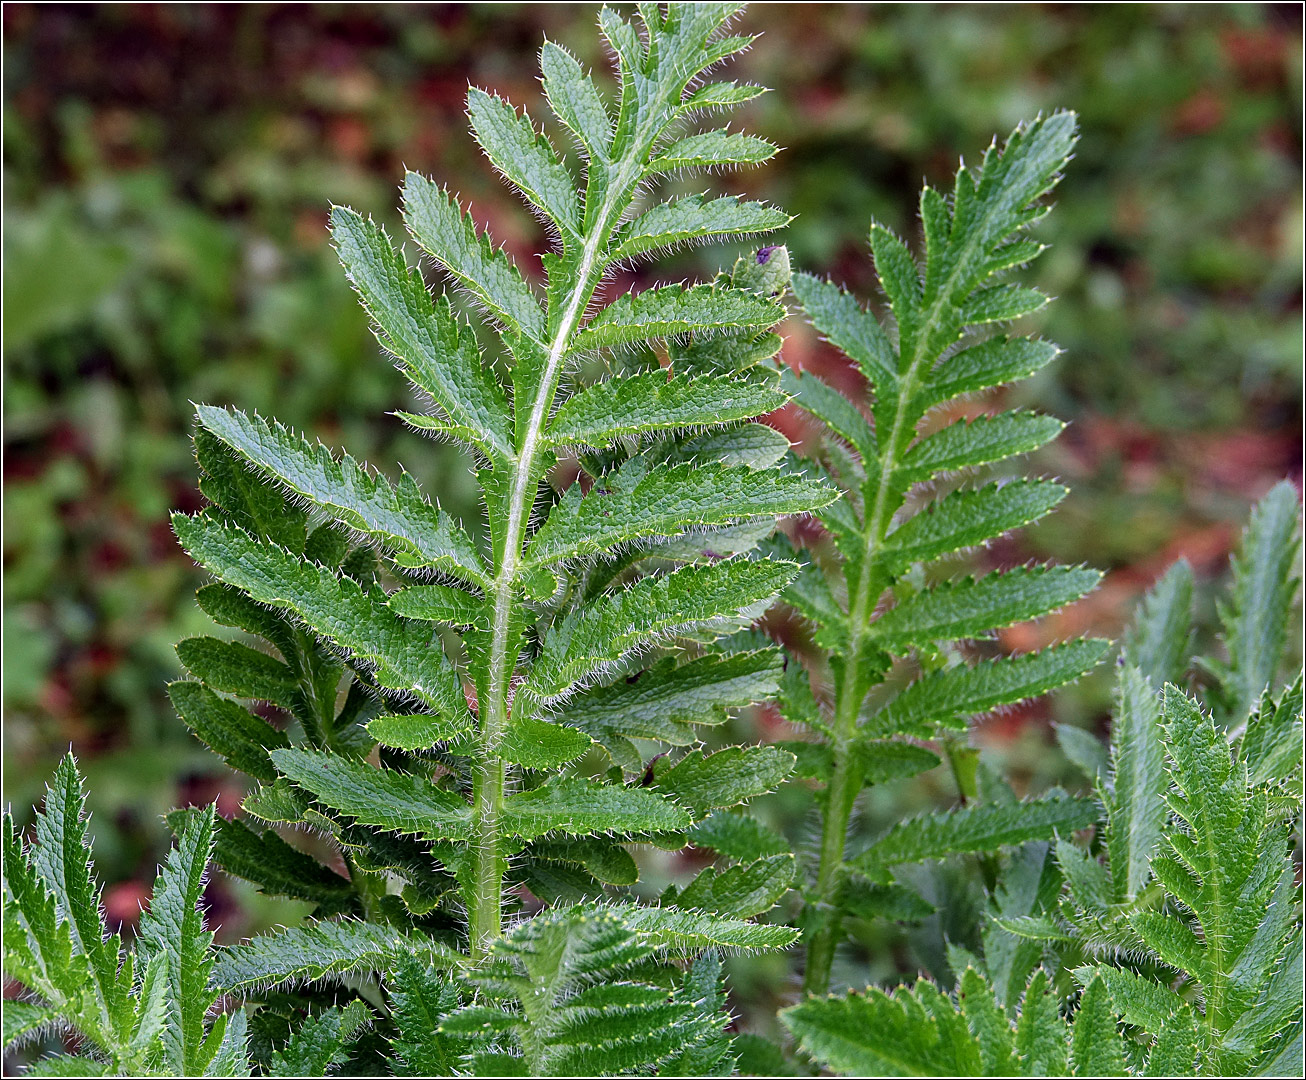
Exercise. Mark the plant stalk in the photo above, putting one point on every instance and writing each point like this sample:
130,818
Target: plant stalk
616,186
845,778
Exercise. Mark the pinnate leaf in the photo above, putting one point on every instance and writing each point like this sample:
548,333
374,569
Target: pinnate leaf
397,516
408,656
648,402
450,237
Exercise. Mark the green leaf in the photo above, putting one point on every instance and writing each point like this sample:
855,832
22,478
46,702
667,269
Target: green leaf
608,862
24,1018
742,891
1272,743
726,778
993,362
900,278
253,502
416,731
983,827
949,696
970,607
1157,642
1263,1025
524,157
1136,999
572,806
542,744
913,1032
831,407
648,402
691,219
237,669
850,329
1176,1049
1084,749
677,309
1138,782
1001,303
68,1065
1175,943
575,100
231,1058
882,760
1231,869
580,645
321,950
434,351
721,95
864,899
557,999
449,236
1042,1038
279,869
712,150
62,857
235,734
319,1045
39,949
228,606
673,928
659,702
397,516
1265,585
987,1023
384,798
420,999
982,441
987,208
408,656
174,928
737,836
1096,1048
637,503
1089,881
967,518
755,445
437,603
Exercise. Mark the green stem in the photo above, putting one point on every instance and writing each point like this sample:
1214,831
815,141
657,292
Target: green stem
487,803
958,778
369,888
616,187
845,779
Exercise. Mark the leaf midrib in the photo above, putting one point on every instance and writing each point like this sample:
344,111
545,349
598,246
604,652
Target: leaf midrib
495,714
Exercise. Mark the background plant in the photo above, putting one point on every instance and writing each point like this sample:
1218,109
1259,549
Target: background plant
139,1012
1181,917
887,606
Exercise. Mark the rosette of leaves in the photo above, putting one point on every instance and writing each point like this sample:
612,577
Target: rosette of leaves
567,994
1173,941
142,1010
1190,912
889,618
471,716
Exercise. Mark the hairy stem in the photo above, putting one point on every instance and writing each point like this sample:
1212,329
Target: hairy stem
488,783
848,699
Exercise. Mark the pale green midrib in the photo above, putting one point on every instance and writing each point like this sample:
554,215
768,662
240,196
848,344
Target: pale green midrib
834,831
115,1041
489,779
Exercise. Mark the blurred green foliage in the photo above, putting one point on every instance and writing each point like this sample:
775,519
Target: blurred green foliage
168,171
